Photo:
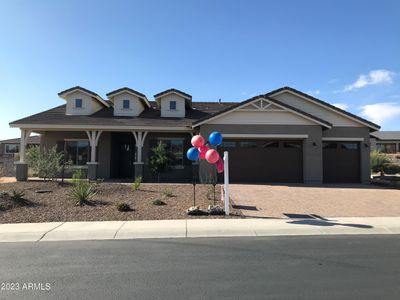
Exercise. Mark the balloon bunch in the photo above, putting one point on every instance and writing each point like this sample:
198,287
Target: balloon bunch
202,151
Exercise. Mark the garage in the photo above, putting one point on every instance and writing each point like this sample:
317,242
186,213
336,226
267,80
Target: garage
341,162
264,161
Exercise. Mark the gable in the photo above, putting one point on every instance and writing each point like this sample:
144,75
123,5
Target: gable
89,104
266,112
320,111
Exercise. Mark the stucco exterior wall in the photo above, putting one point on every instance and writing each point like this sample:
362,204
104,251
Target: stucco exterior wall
136,105
179,112
89,105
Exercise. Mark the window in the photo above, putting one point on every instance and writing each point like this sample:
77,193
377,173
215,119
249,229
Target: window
330,145
349,146
248,144
77,152
270,144
78,103
172,105
295,144
11,148
228,144
125,104
386,148
175,149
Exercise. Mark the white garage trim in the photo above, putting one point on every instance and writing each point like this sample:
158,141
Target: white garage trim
265,136
344,139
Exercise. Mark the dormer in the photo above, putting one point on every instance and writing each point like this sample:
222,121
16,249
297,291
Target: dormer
173,103
81,101
128,102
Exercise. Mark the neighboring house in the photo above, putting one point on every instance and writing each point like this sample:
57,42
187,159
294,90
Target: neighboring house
11,146
385,141
282,136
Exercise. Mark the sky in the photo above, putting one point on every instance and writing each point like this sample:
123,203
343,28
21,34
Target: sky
344,52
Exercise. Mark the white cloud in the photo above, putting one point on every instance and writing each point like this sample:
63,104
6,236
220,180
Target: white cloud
381,112
372,78
314,93
343,106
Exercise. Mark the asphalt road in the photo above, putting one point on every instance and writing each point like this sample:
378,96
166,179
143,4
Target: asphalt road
327,267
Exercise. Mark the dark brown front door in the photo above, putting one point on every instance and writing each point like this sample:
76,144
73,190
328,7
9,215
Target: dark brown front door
266,161
341,162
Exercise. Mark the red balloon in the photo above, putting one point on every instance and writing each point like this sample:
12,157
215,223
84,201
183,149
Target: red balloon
212,156
197,141
220,165
203,150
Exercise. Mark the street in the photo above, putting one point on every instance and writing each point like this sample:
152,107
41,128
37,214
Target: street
312,267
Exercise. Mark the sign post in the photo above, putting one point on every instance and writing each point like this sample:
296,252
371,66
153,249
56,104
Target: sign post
226,182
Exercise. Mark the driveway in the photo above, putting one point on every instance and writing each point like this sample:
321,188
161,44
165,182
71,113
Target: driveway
283,201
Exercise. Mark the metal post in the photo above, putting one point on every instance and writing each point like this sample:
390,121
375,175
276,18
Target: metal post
226,182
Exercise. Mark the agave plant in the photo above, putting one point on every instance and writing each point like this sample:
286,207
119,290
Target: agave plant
82,192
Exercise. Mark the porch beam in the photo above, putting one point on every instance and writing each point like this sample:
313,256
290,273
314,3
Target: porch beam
94,137
140,137
25,133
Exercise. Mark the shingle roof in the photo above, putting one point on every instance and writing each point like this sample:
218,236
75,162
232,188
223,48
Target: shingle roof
78,88
35,139
386,135
125,89
287,88
172,90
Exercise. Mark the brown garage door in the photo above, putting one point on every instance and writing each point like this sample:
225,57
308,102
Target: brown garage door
341,162
264,160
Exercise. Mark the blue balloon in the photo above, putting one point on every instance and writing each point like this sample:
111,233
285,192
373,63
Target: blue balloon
193,154
215,138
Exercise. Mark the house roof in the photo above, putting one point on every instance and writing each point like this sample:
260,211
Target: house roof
185,95
35,139
129,90
386,135
64,93
326,104
277,102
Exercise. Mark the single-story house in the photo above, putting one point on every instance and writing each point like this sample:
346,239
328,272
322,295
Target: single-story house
281,136
11,146
385,141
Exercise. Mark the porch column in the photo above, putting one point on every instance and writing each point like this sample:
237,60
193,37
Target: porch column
94,136
140,137
22,166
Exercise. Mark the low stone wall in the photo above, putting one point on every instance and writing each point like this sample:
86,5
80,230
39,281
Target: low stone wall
7,167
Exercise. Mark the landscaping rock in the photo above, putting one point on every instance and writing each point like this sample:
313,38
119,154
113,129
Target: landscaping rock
195,211
43,191
215,210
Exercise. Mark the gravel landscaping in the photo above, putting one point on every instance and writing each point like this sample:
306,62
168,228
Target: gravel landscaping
57,206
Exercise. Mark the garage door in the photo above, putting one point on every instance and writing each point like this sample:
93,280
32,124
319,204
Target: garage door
264,160
341,162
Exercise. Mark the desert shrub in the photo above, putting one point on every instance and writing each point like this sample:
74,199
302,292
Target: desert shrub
123,207
158,202
210,192
378,162
160,159
167,192
4,194
391,169
82,192
78,176
46,163
99,180
17,196
136,183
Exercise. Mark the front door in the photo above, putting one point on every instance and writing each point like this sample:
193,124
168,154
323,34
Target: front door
123,155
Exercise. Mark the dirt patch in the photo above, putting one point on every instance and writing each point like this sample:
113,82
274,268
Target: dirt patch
56,206
7,179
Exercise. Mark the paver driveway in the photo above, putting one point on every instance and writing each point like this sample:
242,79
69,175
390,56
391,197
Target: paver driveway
326,200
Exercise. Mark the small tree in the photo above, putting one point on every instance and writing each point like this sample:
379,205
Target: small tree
45,163
378,162
160,160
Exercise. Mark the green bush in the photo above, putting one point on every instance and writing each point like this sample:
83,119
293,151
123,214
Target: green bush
391,169
46,163
123,207
160,159
378,162
137,183
158,202
78,176
167,192
82,192
17,196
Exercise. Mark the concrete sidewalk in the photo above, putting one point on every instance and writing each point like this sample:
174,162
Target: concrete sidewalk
58,231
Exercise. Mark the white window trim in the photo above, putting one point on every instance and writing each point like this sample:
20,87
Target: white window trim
343,139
